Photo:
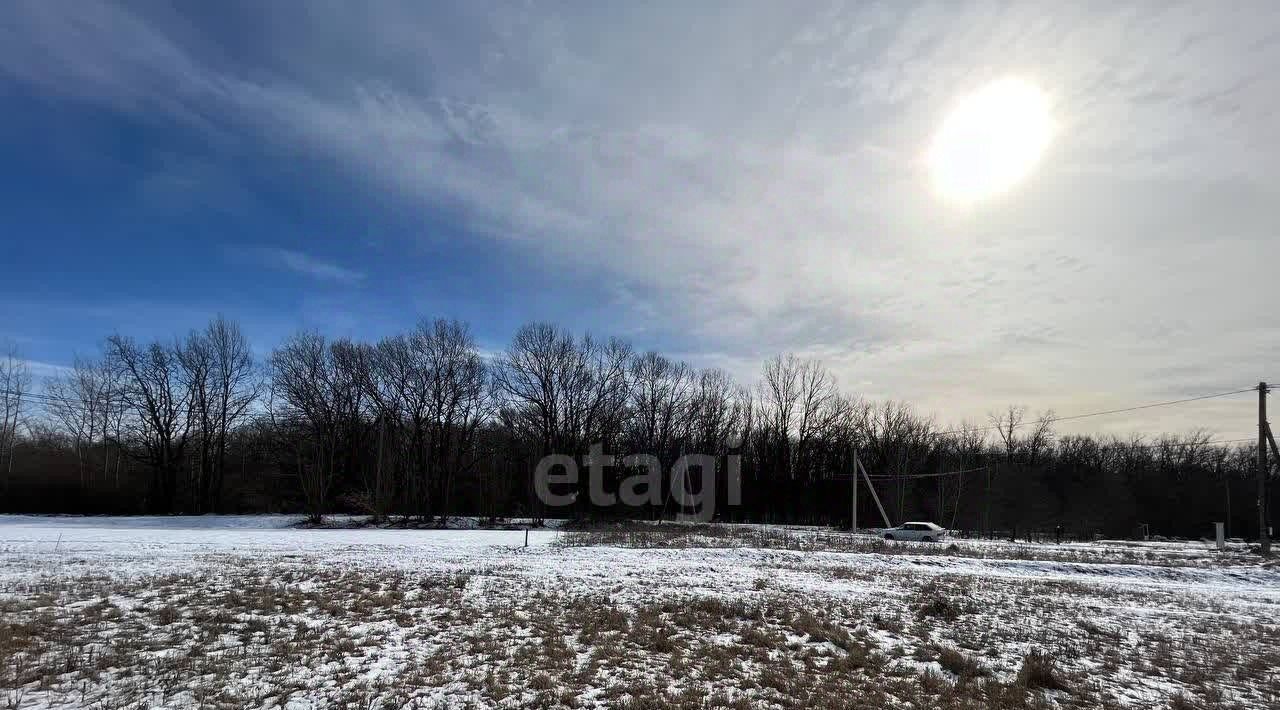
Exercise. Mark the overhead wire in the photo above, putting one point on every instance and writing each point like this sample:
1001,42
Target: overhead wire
1072,417
1103,447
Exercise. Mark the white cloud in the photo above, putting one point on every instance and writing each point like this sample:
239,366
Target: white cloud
752,176
42,371
304,264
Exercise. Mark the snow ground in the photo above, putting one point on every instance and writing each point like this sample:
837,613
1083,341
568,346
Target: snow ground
252,611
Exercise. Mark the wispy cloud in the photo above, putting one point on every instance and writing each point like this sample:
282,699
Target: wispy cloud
758,171
42,371
301,263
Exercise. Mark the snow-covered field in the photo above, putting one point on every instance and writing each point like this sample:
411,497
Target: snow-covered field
254,612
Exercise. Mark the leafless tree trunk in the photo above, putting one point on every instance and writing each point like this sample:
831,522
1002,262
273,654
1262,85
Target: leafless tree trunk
196,361
152,387
1040,440
86,405
381,372
316,397
15,384
218,370
457,392
779,395
563,392
1006,424
821,406
898,443
661,392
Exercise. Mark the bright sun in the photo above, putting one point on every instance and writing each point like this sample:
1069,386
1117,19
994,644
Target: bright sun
990,140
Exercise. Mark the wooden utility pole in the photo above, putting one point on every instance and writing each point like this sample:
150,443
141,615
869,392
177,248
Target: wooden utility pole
986,505
1226,484
1264,524
874,496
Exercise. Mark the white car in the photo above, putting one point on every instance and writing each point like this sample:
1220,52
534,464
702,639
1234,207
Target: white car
919,532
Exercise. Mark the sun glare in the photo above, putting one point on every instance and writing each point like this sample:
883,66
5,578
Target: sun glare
990,141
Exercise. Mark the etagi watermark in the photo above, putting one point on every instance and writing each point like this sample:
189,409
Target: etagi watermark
693,481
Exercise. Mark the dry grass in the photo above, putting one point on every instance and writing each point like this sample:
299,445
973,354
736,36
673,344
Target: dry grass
960,663
665,535
253,632
1039,671
163,643
946,598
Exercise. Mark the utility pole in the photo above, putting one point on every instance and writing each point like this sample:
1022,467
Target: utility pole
986,505
1226,484
1264,524
875,497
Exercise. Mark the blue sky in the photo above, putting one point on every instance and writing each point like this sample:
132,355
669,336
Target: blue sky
718,181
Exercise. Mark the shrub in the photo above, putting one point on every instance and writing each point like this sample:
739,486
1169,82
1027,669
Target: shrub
166,615
943,603
1039,671
959,663
542,681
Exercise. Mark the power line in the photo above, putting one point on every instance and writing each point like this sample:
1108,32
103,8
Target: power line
1045,420
887,477
1102,447
1157,404
1172,444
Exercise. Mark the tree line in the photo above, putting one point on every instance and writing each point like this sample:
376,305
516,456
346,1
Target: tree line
420,426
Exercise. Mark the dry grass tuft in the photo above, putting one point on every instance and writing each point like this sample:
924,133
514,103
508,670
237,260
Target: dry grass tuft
944,598
960,663
1039,671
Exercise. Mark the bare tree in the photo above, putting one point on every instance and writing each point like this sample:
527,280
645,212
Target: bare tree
563,393
431,389
658,409
898,443
660,394
720,412
196,361
455,382
380,372
80,403
315,400
1027,447
596,388
237,384
397,386
779,396
529,379
152,388
1040,439
821,407
219,372
1006,425
968,443
15,385
780,391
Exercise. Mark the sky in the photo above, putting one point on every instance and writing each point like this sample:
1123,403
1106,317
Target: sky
717,181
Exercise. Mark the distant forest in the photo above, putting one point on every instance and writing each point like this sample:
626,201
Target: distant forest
421,426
